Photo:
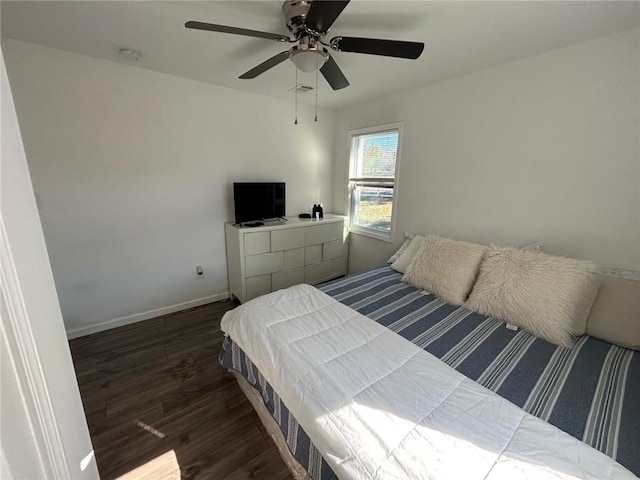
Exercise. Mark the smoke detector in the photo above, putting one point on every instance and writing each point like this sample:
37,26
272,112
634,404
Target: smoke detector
133,55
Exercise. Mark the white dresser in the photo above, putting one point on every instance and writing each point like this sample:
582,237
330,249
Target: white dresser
281,254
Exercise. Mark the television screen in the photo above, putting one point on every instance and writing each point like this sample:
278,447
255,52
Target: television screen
258,201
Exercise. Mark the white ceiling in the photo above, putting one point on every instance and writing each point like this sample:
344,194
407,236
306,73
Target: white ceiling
460,37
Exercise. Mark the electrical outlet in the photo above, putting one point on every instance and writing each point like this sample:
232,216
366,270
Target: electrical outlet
199,271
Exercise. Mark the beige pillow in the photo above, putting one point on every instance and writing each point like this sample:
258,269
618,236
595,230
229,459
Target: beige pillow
447,268
615,315
404,260
408,236
546,295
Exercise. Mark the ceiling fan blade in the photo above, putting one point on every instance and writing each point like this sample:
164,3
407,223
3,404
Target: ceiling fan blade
322,14
374,46
331,71
236,31
266,65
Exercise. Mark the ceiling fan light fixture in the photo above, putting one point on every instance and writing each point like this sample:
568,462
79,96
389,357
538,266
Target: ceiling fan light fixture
308,58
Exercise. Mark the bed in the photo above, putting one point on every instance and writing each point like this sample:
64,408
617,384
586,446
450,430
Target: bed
590,391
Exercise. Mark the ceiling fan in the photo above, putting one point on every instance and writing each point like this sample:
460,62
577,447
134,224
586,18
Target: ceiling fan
309,21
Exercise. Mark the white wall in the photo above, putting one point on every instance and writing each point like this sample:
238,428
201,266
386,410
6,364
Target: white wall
545,148
133,171
43,431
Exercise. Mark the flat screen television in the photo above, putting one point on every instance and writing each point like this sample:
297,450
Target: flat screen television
258,201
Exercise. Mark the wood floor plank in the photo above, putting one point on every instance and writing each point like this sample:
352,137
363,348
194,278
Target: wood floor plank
119,362
233,395
163,467
176,401
205,463
138,384
204,343
116,339
234,444
135,439
181,434
85,367
265,465
126,423
155,387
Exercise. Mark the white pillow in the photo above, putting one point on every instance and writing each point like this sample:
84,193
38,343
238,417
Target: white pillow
546,295
447,268
408,236
405,258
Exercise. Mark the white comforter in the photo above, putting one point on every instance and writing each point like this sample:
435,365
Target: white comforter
377,406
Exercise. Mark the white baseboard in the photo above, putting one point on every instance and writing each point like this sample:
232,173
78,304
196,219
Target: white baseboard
138,317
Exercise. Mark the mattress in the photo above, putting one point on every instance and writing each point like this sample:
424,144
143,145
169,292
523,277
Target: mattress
591,391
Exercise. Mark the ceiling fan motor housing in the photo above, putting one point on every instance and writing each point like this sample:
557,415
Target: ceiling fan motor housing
295,13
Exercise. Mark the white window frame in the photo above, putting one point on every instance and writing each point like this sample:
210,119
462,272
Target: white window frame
351,184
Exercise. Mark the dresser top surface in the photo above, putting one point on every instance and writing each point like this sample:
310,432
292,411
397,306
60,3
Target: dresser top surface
291,222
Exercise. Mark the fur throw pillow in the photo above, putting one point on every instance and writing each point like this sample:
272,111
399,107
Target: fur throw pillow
447,268
546,295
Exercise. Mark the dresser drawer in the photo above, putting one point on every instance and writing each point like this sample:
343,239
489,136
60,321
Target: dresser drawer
339,266
334,249
312,254
258,242
318,234
263,263
318,272
293,258
287,239
339,231
287,278
257,286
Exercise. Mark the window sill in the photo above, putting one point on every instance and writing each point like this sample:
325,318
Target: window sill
365,232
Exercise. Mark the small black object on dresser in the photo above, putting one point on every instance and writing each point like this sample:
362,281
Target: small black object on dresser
317,212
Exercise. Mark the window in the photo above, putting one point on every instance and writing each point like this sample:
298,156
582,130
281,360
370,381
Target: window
373,168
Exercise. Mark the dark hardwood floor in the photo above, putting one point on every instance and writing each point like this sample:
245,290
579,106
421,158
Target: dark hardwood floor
155,386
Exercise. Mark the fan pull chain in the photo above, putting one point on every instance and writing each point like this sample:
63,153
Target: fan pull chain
296,90
316,117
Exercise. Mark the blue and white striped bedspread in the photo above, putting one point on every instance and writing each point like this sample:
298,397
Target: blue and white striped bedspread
591,391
